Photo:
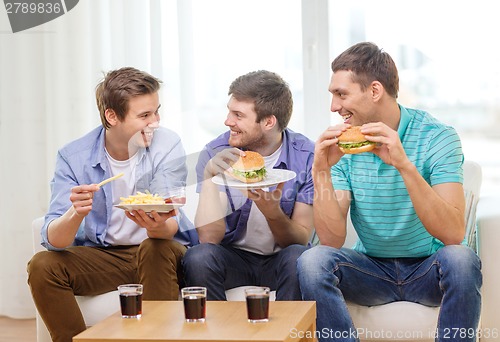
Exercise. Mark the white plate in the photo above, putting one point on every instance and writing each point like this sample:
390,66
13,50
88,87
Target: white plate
273,177
160,208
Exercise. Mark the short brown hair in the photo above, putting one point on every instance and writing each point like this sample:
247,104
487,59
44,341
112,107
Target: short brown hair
368,63
118,87
269,92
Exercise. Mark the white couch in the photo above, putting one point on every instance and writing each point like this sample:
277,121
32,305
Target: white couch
395,321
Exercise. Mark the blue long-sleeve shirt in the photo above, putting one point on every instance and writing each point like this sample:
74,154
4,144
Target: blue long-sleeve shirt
297,155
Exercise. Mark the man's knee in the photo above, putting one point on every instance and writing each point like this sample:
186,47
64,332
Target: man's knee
456,261
156,244
295,251
201,254
42,265
459,258
290,254
313,259
199,261
160,249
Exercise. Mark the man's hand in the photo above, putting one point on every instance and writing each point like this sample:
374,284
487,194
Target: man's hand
81,198
268,202
151,221
222,161
326,150
154,222
61,231
389,147
286,230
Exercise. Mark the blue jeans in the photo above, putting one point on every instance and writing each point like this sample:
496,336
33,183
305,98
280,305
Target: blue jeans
450,278
219,267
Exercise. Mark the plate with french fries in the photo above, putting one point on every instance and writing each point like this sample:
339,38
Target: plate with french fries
149,202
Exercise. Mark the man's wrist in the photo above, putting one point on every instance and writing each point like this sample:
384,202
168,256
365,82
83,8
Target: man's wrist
207,174
320,174
277,215
407,167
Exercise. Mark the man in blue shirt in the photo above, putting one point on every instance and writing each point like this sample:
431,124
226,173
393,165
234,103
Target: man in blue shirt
92,245
406,203
253,237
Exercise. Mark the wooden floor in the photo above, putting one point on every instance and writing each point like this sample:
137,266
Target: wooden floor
17,330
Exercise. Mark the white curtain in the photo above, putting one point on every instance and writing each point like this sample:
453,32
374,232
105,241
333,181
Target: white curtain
48,75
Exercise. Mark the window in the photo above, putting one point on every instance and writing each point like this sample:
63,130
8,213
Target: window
445,52
210,43
447,60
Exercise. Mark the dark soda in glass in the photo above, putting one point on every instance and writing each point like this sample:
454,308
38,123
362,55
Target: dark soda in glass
195,307
258,307
131,304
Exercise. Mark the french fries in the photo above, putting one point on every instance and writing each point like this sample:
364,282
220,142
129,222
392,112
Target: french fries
142,198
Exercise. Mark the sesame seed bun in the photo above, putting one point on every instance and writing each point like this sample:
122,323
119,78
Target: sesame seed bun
353,135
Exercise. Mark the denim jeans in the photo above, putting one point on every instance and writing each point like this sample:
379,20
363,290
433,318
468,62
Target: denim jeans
219,267
450,278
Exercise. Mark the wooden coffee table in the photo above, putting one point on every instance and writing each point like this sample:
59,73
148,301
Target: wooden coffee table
226,321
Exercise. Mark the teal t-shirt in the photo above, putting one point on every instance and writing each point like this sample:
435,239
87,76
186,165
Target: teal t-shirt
381,209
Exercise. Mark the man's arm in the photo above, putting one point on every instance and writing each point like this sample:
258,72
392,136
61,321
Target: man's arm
209,220
61,231
212,206
441,207
286,230
330,205
330,210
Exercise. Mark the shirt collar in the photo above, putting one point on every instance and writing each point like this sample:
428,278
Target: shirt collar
285,150
404,121
99,152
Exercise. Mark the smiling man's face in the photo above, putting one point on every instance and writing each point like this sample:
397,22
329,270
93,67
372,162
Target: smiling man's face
241,120
141,120
354,104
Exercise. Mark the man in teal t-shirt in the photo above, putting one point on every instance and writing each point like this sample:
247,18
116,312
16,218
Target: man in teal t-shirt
406,203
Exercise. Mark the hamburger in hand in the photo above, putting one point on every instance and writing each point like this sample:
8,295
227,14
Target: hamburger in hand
352,141
249,168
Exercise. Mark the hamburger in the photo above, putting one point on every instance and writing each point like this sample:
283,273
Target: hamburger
249,168
352,141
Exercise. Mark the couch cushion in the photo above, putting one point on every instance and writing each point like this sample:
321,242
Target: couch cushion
237,294
97,308
395,321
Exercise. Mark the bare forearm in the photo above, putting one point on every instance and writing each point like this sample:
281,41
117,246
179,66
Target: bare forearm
442,219
329,219
286,231
209,219
211,233
62,231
